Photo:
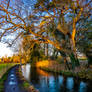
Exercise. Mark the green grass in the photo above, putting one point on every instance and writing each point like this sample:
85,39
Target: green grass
4,67
25,84
2,80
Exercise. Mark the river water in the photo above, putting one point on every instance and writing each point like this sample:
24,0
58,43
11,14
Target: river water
47,82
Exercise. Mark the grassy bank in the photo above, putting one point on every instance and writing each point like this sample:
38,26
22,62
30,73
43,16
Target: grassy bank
24,84
52,66
83,74
67,73
4,75
4,67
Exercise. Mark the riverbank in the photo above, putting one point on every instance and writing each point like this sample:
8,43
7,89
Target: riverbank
25,85
54,67
4,74
80,75
4,67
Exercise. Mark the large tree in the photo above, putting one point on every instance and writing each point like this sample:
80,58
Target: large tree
67,14
64,13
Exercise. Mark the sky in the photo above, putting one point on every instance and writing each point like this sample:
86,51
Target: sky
4,50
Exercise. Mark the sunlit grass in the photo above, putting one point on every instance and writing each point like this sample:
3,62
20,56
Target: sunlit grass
43,63
2,66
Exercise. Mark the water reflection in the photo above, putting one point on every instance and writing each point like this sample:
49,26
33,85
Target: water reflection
12,75
83,87
12,83
26,71
47,82
41,72
70,84
60,78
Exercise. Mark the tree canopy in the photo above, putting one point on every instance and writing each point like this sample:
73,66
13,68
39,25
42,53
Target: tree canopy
65,24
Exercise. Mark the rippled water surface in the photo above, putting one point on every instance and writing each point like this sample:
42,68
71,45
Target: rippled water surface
47,82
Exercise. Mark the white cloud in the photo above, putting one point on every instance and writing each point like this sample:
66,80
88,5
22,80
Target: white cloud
5,51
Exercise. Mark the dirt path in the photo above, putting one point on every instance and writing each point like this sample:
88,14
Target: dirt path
11,84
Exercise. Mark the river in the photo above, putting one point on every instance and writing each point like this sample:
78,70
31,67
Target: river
48,82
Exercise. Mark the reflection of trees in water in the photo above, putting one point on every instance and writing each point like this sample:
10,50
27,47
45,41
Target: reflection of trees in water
58,83
63,87
69,85
76,84
55,83
89,89
34,75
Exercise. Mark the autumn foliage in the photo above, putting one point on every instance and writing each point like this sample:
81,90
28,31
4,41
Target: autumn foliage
12,59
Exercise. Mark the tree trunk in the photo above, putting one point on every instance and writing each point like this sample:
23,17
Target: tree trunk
73,56
66,64
65,60
89,56
47,50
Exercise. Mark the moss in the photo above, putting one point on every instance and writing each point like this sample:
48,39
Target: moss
25,84
67,73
